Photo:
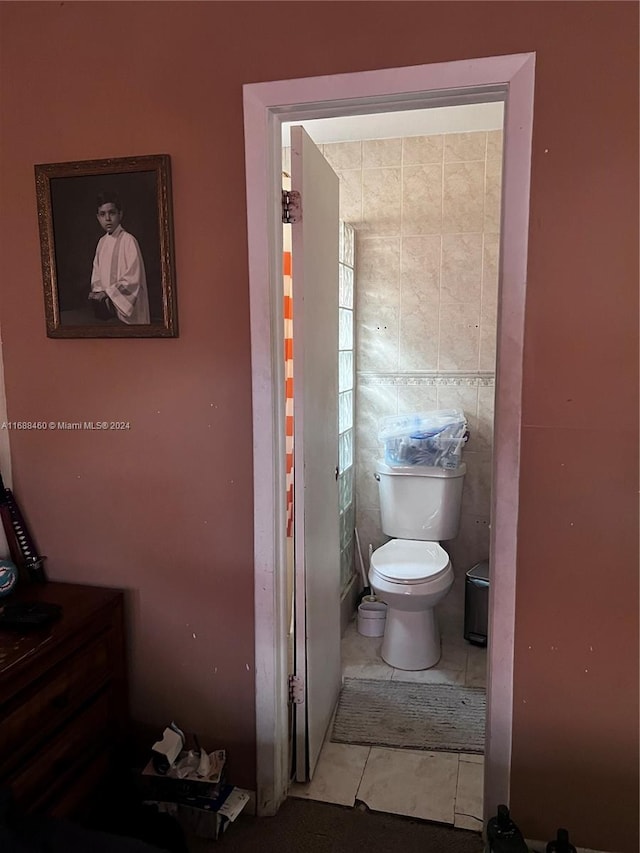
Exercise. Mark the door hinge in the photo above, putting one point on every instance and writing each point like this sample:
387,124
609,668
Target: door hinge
296,690
291,206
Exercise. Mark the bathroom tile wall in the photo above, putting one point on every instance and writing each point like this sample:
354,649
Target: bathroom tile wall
426,210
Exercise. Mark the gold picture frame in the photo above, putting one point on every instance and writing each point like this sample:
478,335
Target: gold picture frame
106,241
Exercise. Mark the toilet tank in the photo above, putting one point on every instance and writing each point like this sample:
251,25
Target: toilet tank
418,502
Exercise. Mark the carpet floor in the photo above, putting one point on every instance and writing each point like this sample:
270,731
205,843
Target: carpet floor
405,715
305,826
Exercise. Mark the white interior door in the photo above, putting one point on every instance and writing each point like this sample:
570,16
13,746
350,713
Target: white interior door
315,374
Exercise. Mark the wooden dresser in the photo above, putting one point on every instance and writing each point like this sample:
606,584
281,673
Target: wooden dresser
63,699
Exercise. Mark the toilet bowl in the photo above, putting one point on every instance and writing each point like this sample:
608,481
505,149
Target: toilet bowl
412,573
412,577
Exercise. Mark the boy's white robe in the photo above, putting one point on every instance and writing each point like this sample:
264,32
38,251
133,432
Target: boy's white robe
118,270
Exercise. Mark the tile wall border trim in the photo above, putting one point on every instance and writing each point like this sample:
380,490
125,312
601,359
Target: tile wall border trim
470,380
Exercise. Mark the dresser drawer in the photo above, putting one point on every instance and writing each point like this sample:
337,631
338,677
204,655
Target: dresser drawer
52,698
63,700
62,762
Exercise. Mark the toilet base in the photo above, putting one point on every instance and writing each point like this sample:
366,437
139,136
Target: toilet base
411,639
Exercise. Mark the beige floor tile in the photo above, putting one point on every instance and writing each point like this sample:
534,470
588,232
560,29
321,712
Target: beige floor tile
361,656
471,758
469,790
435,675
454,657
476,671
337,775
407,782
378,672
463,821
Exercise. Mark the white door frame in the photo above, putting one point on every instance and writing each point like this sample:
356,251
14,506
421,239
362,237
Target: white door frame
266,107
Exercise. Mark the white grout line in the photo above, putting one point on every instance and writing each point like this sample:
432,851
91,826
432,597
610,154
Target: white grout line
364,767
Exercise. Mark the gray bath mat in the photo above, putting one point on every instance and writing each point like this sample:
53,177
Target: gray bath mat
443,717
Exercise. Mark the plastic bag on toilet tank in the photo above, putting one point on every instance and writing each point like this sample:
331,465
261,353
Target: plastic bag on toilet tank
432,438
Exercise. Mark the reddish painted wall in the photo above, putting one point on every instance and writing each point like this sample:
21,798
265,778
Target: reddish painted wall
165,509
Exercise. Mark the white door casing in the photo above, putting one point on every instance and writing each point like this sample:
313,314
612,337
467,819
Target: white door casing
266,105
314,251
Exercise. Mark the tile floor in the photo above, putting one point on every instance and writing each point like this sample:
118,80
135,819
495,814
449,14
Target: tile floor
438,786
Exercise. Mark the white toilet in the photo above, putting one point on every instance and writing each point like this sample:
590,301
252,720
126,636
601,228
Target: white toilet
412,573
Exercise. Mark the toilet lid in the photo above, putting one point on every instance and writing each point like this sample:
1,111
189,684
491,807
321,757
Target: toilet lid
409,561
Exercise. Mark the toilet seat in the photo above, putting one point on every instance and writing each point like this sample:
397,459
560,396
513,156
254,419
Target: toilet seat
409,561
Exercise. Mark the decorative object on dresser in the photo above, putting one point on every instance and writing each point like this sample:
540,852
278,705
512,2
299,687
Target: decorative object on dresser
63,699
19,539
8,577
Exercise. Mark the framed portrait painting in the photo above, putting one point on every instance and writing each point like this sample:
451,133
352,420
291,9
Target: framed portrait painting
106,239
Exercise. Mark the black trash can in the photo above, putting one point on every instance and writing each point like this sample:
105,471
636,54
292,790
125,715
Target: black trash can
476,604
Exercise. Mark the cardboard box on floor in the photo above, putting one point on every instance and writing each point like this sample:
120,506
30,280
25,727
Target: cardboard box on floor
204,806
186,787
208,822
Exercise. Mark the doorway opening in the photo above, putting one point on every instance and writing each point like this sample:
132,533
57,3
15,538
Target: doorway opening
417,306
267,106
